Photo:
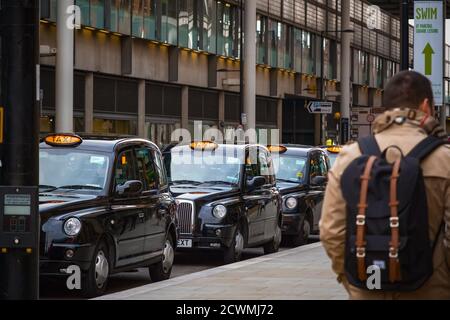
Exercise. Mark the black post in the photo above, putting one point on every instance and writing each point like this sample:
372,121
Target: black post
19,147
404,35
241,62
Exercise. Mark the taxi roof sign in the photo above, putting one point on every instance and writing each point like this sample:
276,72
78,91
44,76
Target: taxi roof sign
277,149
204,145
63,140
334,149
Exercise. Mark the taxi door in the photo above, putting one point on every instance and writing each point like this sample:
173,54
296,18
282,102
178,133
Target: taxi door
129,212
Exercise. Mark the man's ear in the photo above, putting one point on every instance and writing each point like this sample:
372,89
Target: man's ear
426,107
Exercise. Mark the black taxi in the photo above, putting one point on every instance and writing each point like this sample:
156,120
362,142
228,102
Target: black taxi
105,207
227,197
301,177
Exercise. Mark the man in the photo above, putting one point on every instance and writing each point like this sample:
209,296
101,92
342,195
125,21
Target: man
408,120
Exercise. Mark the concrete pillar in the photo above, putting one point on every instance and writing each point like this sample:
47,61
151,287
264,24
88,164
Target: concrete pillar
89,103
250,64
280,120
185,107
141,109
64,67
221,107
345,62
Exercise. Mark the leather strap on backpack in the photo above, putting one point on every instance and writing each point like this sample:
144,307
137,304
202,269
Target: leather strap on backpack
394,263
361,220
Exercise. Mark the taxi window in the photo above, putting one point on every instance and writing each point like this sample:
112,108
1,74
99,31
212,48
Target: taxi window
146,168
161,171
314,166
125,170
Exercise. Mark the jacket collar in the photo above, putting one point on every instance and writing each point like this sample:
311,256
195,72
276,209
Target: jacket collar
412,118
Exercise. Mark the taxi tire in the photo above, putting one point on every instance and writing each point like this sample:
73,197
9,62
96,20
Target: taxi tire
156,271
272,246
230,255
89,288
300,239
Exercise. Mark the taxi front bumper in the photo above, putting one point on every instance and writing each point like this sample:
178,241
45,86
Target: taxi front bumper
57,259
212,237
291,223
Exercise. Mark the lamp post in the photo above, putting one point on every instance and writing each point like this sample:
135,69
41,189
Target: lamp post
322,80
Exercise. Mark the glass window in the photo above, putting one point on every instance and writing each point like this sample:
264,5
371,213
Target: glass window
209,25
125,170
308,49
314,166
274,39
98,14
265,166
226,29
290,168
145,168
149,19
169,21
160,133
137,9
162,176
121,16
110,126
261,43
298,50
84,8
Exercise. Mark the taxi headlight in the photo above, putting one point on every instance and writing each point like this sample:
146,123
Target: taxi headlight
219,211
291,203
72,226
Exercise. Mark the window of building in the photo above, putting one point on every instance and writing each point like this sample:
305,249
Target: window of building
98,14
274,39
137,9
308,52
209,25
121,16
261,39
85,12
103,125
146,169
227,30
298,50
169,21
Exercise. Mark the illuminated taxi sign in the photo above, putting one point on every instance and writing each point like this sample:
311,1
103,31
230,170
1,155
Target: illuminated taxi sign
63,140
277,149
334,149
204,145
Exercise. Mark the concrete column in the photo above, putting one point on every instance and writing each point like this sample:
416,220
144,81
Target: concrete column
280,120
250,64
141,109
185,107
221,106
64,67
89,103
345,61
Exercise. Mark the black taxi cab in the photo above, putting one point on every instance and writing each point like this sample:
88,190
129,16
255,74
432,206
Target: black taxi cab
105,207
301,177
227,197
332,152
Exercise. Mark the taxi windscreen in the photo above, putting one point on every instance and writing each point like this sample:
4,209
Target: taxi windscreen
203,167
72,169
290,169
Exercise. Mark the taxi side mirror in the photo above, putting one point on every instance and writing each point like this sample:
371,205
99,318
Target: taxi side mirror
319,181
129,188
256,182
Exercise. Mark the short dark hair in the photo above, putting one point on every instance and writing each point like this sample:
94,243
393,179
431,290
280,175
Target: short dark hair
407,89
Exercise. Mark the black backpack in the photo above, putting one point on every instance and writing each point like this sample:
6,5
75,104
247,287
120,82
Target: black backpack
387,217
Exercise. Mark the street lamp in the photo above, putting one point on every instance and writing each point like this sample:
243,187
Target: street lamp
322,82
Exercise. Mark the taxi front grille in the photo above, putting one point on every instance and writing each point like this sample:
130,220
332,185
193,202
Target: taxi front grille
185,217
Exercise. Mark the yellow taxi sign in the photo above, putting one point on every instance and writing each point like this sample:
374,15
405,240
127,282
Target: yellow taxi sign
203,145
63,140
334,149
277,149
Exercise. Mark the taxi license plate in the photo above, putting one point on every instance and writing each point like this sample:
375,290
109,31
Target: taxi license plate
185,243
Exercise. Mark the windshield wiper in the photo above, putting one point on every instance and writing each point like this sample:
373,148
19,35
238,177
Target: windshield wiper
186,182
219,182
47,187
287,180
79,187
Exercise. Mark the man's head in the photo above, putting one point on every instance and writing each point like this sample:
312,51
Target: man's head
409,89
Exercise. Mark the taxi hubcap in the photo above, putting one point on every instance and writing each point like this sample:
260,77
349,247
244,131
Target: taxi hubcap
101,269
239,245
168,256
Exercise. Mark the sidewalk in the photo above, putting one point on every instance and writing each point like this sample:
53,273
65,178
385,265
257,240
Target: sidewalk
297,274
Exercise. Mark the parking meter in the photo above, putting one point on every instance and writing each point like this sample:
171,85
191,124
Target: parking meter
19,242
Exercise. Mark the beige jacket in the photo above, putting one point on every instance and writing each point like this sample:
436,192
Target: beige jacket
436,171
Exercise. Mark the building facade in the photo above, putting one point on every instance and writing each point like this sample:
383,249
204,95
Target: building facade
147,67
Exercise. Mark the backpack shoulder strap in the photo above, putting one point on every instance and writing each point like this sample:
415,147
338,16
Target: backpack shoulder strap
369,146
425,147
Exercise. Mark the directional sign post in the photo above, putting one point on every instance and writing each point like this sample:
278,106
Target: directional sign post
320,107
428,44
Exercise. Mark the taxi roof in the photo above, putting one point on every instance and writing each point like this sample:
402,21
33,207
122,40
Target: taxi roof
103,143
299,150
220,147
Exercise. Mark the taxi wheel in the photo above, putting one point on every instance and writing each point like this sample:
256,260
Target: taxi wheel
162,270
95,280
274,244
234,252
304,232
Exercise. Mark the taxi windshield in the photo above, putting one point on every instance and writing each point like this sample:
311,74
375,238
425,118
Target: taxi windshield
332,156
196,167
63,168
289,168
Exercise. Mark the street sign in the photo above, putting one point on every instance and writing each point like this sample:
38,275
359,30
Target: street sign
320,107
428,44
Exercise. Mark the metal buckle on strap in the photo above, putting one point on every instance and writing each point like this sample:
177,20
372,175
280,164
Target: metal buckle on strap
360,252
394,222
360,220
393,253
